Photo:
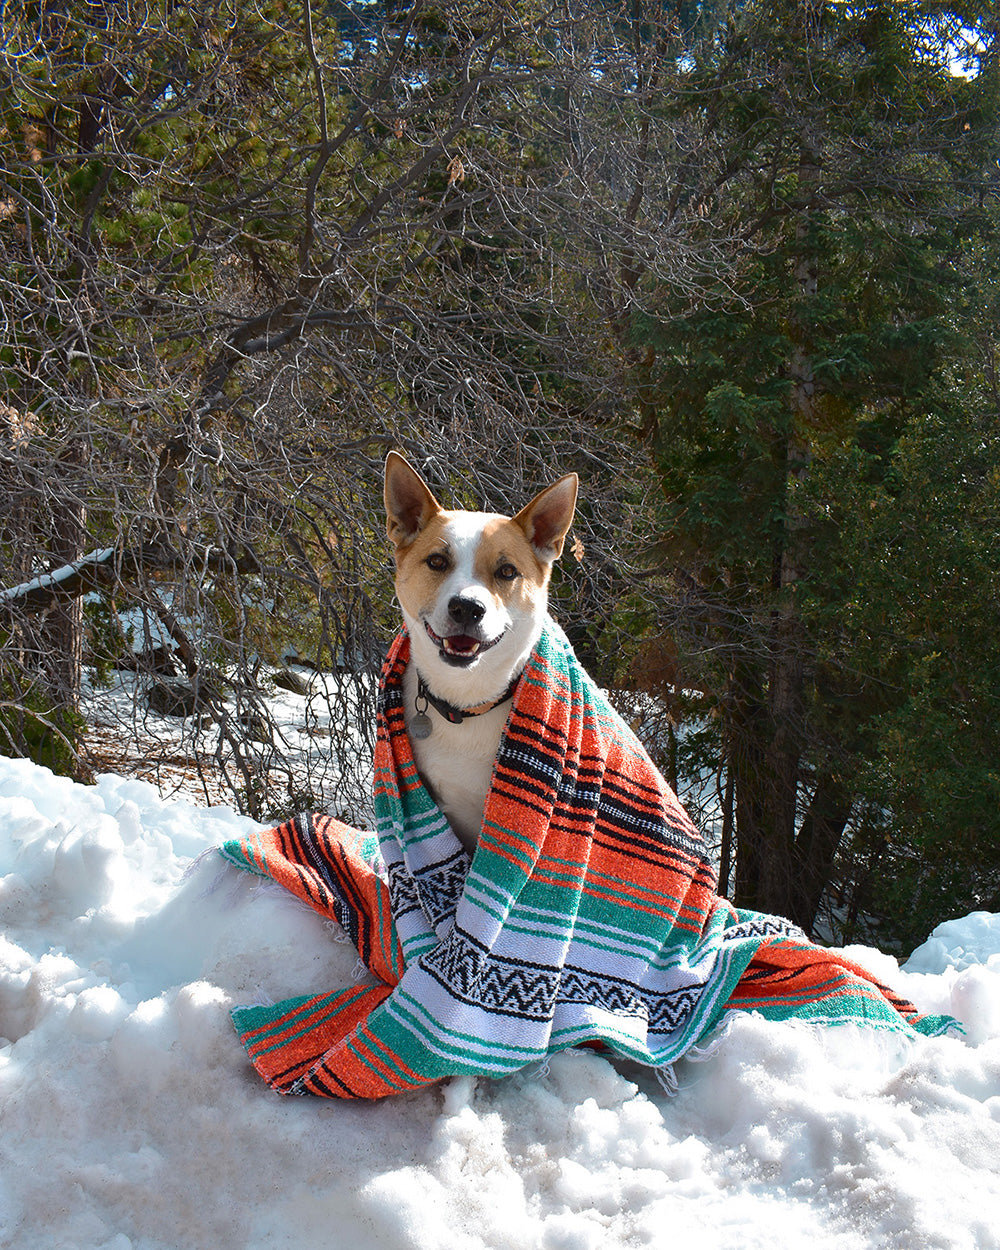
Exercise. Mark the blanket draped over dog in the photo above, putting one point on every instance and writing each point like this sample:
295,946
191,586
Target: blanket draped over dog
588,914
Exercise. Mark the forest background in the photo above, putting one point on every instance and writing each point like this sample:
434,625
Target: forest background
735,263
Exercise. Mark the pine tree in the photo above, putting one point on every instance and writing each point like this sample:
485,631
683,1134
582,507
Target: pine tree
839,167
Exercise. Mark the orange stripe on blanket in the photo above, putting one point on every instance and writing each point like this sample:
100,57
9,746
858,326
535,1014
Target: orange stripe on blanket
798,971
284,1050
357,1070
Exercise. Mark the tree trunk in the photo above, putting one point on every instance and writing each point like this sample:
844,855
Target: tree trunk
816,847
748,766
786,685
63,634
726,853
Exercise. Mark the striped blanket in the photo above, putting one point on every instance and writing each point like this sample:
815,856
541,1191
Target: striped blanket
588,914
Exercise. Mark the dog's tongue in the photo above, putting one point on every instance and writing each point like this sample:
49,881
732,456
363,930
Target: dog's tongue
461,644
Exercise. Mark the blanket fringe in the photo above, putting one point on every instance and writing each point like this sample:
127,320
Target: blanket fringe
666,1078
218,879
336,931
197,862
262,998
699,1054
233,881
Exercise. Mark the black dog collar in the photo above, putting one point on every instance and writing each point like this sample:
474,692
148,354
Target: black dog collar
456,714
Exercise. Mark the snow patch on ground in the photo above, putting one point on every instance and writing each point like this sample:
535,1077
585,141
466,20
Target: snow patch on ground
131,1119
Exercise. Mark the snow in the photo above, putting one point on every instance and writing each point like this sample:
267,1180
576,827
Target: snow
313,742
46,581
130,1119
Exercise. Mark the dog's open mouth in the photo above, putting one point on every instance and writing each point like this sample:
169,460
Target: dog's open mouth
460,649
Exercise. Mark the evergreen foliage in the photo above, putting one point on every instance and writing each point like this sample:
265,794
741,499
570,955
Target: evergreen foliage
855,171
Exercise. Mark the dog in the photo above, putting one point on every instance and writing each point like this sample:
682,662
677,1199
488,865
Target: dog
473,589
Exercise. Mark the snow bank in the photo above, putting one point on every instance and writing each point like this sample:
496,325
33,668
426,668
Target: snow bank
129,1117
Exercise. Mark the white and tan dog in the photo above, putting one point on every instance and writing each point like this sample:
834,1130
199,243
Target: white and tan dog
473,587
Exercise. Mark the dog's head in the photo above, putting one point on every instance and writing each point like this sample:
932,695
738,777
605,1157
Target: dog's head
472,585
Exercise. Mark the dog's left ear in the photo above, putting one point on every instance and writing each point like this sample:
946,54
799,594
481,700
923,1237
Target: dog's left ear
546,520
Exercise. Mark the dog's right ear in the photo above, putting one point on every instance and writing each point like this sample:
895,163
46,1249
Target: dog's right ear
409,504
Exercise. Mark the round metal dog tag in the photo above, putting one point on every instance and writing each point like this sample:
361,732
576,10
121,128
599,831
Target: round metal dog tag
420,726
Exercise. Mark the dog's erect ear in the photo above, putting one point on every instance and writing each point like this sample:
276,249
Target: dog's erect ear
409,504
546,520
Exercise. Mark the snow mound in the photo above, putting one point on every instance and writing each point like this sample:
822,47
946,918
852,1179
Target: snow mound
974,939
131,1119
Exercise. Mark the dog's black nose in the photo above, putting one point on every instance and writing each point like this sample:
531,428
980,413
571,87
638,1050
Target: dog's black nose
465,612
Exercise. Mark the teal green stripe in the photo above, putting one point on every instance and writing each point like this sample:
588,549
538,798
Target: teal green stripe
413,839
480,890
505,850
239,1013
535,929
390,1059
589,932
428,824
413,1019
414,947
236,854
581,938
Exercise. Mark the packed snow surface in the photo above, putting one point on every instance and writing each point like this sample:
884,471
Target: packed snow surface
130,1118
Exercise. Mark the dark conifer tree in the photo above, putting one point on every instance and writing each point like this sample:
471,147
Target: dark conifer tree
841,167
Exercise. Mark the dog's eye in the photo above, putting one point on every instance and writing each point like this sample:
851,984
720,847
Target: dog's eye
437,561
506,573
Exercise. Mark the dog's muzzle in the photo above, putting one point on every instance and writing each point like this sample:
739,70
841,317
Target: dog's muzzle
460,648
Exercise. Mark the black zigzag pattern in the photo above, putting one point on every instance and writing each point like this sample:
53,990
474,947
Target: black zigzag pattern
764,927
579,987
532,991
664,1012
402,891
501,986
440,886
669,1011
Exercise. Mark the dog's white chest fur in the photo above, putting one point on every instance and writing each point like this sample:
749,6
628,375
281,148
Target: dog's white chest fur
456,762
